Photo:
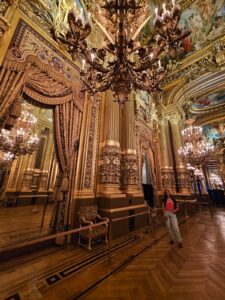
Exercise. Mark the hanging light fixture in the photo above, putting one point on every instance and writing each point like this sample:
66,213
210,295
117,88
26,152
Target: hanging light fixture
195,150
20,140
5,158
123,64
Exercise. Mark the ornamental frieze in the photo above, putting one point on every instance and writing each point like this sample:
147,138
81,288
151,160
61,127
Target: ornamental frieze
28,45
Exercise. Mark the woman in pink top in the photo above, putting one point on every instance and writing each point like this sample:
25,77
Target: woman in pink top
170,207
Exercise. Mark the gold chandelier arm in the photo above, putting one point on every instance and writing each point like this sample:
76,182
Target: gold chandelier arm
140,28
104,30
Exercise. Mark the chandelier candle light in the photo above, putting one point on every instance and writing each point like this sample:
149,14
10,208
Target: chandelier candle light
123,64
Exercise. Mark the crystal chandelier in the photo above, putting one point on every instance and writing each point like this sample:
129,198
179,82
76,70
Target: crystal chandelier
20,140
123,64
195,150
5,158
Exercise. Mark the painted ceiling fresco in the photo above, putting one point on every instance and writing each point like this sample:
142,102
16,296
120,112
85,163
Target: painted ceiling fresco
206,20
209,101
214,130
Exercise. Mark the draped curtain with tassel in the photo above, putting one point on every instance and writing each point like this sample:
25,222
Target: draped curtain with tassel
41,88
67,121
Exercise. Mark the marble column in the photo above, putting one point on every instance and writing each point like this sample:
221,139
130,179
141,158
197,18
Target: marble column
183,180
129,171
167,171
110,157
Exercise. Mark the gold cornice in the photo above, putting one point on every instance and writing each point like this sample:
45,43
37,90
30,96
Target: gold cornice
210,118
198,87
216,61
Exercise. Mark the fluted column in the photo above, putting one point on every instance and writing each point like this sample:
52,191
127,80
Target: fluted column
129,171
182,175
110,158
167,172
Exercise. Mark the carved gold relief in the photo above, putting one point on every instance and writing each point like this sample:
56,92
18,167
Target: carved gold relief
129,170
110,165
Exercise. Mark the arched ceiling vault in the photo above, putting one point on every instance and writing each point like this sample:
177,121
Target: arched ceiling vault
208,83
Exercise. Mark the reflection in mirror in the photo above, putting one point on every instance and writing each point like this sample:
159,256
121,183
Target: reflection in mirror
28,173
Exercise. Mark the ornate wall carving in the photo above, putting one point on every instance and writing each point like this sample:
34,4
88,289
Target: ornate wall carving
110,165
168,179
90,171
4,5
129,170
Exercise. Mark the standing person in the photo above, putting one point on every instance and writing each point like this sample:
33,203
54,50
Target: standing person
170,207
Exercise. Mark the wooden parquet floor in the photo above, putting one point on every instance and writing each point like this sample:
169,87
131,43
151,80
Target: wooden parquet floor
161,271
196,272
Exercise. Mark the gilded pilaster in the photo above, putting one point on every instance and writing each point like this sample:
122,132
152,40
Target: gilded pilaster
110,157
167,172
47,158
129,171
85,181
28,174
183,180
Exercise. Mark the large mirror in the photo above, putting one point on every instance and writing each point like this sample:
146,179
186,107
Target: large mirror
28,175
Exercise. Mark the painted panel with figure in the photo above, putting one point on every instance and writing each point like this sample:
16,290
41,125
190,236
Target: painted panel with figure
214,130
206,20
209,101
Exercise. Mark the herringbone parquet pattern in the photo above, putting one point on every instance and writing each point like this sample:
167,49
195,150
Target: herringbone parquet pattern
196,272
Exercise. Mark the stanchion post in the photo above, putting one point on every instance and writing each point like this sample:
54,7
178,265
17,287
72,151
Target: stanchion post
185,208
110,242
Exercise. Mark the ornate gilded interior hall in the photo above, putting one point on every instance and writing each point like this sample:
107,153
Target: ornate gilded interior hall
112,149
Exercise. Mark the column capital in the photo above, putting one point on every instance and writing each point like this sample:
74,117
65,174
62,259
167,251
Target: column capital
174,118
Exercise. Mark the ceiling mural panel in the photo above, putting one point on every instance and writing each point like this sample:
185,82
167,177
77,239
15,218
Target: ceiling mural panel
209,101
206,20
214,130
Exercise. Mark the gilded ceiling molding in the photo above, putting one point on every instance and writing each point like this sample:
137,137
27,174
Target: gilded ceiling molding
215,116
201,86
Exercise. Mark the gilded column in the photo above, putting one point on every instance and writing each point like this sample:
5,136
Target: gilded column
110,157
47,158
129,171
167,172
85,180
182,175
28,174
